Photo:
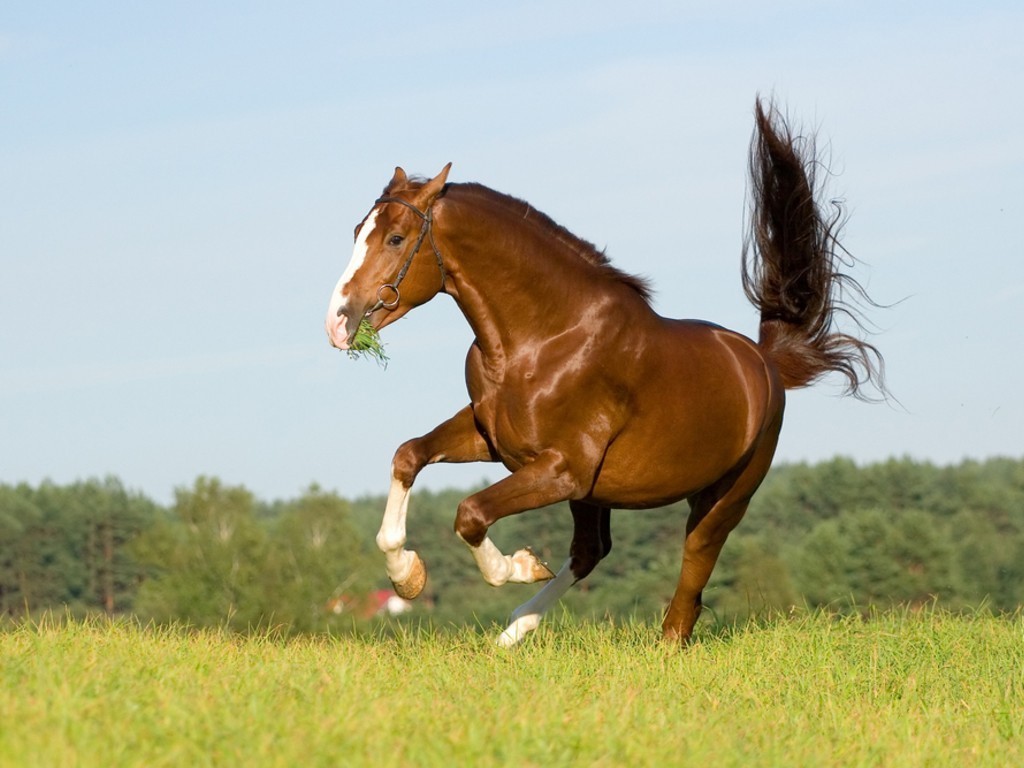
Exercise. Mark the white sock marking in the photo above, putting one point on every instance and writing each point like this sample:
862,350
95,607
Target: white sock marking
391,537
526,617
495,566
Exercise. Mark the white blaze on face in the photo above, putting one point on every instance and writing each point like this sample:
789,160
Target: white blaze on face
337,324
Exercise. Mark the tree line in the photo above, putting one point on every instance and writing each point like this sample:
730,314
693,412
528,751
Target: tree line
833,533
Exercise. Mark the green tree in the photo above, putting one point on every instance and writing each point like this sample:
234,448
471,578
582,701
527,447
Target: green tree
108,518
206,560
67,546
751,578
314,554
18,574
873,558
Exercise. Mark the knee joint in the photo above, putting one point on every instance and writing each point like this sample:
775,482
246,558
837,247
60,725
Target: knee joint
470,523
407,463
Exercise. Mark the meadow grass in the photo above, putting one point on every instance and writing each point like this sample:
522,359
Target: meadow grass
897,689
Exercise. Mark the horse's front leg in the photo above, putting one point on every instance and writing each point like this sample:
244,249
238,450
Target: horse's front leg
544,481
456,440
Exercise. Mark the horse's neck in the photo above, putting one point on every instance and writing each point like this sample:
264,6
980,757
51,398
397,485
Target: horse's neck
516,289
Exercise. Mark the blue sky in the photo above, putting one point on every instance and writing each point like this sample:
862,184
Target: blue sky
179,182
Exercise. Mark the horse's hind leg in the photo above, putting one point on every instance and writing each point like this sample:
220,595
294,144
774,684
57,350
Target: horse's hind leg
455,440
591,542
714,513
526,617
707,529
591,537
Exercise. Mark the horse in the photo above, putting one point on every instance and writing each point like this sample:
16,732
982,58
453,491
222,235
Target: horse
581,390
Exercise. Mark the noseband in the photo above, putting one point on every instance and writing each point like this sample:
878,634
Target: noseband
426,230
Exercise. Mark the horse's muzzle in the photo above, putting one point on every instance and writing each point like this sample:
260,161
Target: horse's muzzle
340,329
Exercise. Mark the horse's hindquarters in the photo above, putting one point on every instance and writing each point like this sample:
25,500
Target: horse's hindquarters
701,407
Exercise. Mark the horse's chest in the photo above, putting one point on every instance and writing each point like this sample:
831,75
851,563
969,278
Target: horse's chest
506,411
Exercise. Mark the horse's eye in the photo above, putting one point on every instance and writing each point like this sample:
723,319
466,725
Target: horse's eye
395,240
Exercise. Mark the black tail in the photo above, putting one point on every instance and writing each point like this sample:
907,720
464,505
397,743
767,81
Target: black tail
792,261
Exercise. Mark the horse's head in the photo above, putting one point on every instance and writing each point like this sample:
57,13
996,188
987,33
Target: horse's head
395,264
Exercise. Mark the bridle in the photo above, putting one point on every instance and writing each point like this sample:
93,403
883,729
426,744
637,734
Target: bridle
426,230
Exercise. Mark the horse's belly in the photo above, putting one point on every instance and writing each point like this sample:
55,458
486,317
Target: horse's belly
671,462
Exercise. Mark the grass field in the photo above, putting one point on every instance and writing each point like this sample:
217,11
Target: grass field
901,688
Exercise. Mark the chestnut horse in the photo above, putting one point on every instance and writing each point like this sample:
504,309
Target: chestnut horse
580,389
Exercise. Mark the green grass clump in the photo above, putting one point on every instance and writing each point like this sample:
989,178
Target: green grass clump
899,688
367,343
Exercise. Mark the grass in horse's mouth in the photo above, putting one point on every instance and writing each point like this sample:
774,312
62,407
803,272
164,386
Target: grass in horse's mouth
367,342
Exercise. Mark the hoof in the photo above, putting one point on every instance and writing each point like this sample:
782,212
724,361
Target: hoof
413,584
527,568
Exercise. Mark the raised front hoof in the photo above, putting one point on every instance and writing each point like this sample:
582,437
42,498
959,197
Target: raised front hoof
410,587
527,568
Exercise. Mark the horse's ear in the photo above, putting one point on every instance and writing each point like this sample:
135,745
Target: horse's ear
398,180
433,188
